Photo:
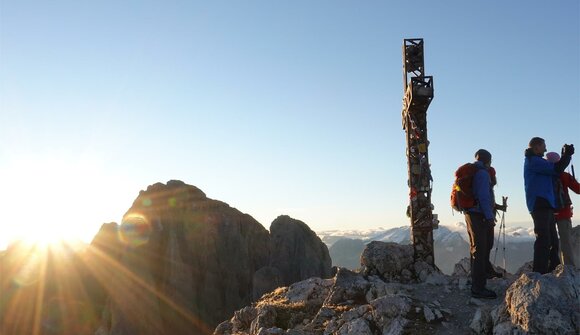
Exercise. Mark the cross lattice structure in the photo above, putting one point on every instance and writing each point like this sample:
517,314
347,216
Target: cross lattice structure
418,94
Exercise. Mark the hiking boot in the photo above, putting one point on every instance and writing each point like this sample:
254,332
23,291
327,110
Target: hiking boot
483,294
494,274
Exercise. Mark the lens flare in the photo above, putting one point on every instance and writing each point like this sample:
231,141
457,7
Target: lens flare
146,202
135,230
28,263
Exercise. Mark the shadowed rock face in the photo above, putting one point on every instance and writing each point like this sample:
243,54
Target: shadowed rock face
297,251
187,262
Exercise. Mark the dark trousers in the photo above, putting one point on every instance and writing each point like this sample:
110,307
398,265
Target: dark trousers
546,257
480,244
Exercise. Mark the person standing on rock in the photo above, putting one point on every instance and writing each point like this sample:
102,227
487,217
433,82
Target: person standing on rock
541,201
562,183
480,222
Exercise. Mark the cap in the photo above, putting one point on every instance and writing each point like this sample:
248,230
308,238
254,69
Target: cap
552,157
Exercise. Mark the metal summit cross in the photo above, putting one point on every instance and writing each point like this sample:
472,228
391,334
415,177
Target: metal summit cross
418,95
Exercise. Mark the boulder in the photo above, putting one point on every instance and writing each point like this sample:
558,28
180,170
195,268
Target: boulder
297,251
394,262
348,286
314,290
387,260
542,304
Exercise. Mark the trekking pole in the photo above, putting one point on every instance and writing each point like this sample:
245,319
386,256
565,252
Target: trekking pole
504,254
497,244
499,233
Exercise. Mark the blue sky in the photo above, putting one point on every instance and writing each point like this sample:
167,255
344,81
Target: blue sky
275,107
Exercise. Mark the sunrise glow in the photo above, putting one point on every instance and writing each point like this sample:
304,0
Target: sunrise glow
53,199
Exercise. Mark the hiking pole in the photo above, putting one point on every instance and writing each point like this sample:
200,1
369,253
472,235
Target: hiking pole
503,208
501,227
500,234
503,246
497,244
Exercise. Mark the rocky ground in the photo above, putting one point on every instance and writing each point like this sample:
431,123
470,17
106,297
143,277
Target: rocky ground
391,295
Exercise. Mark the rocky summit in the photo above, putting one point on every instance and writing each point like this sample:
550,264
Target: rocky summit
181,262
390,295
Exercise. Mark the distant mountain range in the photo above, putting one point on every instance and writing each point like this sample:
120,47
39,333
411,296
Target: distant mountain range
451,245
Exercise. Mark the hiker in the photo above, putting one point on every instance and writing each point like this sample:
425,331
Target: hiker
541,201
562,183
480,222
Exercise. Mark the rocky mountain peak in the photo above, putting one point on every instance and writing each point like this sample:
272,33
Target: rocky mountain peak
190,261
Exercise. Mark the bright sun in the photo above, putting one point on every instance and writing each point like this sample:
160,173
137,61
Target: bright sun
52,199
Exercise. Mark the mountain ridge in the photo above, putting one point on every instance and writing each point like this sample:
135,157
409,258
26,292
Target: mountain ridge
451,244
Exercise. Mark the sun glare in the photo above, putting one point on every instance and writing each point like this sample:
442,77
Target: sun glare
52,199
45,236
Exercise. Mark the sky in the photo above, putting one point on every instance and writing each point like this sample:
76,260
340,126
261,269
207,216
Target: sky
275,107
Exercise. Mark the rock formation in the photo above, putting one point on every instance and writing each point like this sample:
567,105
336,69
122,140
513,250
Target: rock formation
380,300
389,260
318,306
185,262
296,251
541,304
394,262
350,303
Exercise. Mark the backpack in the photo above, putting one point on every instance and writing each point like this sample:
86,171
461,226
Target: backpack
562,198
462,197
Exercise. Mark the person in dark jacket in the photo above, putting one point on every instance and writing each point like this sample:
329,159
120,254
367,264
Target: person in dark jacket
541,201
564,210
480,221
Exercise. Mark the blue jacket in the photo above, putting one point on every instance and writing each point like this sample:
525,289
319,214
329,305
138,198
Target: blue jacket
538,180
483,192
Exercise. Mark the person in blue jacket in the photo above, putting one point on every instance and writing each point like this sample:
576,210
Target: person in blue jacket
539,175
480,221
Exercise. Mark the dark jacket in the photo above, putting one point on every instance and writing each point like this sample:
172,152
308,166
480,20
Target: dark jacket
538,178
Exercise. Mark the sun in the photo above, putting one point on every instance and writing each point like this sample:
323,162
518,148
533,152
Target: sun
46,235
49,199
